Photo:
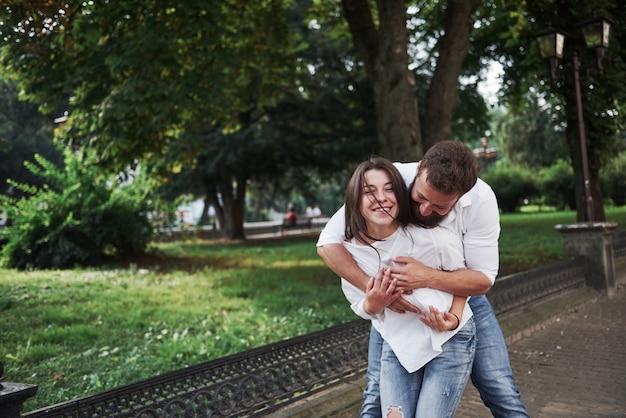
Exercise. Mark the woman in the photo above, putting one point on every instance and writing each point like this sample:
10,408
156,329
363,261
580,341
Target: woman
423,371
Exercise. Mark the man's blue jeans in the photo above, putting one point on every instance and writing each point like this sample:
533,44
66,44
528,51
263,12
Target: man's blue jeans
434,390
491,372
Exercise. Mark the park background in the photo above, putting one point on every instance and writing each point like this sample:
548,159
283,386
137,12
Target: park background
116,116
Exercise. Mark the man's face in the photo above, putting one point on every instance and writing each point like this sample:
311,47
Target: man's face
429,206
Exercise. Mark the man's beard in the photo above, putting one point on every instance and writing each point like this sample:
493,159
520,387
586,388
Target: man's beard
429,221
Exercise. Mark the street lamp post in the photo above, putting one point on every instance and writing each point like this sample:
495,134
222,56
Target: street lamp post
550,44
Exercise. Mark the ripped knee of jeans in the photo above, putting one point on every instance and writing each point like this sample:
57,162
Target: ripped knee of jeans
394,412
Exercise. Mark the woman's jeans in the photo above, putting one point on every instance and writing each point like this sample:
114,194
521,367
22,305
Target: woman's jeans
435,390
491,372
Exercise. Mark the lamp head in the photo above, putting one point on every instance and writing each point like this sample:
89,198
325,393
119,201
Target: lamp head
597,33
550,43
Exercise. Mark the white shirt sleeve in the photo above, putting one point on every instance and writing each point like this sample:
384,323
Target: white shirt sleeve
334,230
356,297
481,231
408,171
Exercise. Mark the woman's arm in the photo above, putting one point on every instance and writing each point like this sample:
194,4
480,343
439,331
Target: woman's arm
447,321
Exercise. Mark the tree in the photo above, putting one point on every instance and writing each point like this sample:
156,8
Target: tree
141,72
142,75
602,95
24,132
453,48
319,124
156,82
381,38
532,134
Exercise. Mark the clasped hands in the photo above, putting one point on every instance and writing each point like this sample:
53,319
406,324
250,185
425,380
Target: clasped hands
385,291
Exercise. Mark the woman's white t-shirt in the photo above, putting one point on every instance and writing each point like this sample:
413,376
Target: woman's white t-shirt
413,342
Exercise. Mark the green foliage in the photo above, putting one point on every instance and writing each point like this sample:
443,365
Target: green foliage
532,135
471,118
322,121
557,185
142,72
24,131
602,95
512,184
76,217
614,175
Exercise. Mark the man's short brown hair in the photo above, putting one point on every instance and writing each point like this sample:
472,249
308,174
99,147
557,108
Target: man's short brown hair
451,167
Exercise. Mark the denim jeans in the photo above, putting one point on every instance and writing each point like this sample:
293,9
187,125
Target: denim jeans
371,394
435,390
491,372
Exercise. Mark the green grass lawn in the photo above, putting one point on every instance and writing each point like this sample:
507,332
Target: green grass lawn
529,240
79,332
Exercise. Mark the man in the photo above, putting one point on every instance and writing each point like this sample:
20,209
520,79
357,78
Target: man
446,191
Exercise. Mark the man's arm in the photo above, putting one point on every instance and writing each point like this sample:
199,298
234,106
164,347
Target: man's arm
339,260
479,226
415,275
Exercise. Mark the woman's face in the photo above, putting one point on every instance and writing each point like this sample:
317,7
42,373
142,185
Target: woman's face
378,200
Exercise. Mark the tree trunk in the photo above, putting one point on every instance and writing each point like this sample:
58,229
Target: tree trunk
596,190
442,97
204,217
230,209
384,53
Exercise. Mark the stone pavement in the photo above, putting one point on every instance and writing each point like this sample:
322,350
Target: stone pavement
572,364
574,367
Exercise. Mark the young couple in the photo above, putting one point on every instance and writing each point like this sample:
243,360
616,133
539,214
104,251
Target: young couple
439,241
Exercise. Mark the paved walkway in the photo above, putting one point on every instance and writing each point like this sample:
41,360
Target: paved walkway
574,367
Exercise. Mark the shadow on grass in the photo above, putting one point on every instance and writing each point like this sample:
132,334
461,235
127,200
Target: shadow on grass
196,255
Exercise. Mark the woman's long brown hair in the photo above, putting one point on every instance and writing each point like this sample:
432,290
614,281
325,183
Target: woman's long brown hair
355,223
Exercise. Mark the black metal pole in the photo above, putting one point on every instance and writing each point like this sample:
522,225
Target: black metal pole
583,142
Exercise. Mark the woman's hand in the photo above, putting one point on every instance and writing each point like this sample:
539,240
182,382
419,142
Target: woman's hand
380,292
440,322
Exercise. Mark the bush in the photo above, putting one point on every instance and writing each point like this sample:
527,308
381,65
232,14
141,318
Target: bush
615,178
557,185
77,217
512,184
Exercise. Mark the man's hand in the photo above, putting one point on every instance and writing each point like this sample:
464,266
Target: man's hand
401,305
411,274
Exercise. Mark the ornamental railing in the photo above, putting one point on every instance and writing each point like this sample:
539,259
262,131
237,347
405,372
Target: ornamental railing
252,383
619,244
522,289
